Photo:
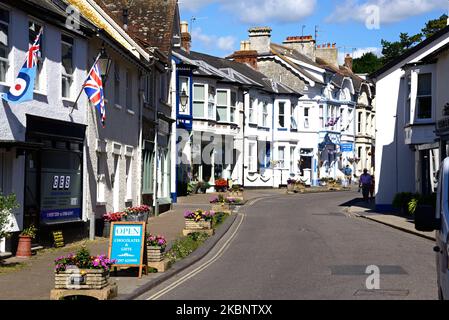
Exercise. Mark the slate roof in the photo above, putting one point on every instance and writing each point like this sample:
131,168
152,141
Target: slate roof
152,21
243,74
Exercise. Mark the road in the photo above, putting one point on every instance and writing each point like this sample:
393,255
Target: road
304,246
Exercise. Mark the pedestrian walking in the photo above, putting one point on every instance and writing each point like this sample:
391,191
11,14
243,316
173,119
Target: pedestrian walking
371,190
348,173
365,183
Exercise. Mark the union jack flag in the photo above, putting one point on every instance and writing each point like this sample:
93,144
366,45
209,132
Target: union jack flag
31,60
93,87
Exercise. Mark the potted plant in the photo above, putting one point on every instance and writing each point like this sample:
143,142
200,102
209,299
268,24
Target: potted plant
139,213
25,238
156,245
221,185
291,185
198,220
107,219
82,271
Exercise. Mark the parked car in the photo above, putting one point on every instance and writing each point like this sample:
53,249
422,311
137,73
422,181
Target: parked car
430,218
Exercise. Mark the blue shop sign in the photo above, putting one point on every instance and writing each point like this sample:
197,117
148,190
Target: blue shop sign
127,242
346,147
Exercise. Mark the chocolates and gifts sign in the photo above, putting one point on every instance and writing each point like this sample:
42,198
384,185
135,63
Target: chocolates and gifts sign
127,243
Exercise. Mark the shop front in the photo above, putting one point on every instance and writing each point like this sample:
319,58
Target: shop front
53,178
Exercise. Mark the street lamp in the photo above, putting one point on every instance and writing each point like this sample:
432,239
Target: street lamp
104,62
183,99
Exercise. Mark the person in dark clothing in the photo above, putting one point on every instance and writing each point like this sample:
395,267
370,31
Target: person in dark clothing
365,183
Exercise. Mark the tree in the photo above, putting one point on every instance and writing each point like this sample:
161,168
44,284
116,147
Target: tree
392,50
367,63
433,26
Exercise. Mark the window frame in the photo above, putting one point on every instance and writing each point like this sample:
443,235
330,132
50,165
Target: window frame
281,162
265,114
63,73
282,115
40,79
8,46
226,107
418,96
196,100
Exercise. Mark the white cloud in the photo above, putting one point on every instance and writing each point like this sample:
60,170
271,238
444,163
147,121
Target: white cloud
269,11
224,43
389,11
259,11
358,53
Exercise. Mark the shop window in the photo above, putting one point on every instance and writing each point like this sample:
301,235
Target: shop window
424,96
67,65
4,44
199,99
33,31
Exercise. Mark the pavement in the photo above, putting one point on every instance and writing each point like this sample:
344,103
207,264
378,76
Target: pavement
404,223
33,278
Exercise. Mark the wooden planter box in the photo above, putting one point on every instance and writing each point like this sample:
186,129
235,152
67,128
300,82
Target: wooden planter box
155,254
81,279
221,207
197,225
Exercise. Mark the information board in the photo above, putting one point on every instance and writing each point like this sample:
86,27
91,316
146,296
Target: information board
127,244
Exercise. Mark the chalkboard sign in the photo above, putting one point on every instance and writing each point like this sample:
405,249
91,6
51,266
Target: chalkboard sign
127,244
58,239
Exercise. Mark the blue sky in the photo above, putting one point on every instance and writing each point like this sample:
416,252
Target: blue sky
356,26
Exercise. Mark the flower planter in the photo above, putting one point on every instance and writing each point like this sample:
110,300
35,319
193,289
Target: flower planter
24,247
197,225
155,254
80,279
221,207
141,216
107,229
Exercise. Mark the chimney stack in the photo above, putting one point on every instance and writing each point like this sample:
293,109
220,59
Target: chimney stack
348,61
245,55
186,39
302,44
260,39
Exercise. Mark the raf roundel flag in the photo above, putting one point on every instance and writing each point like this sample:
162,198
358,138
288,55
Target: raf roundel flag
22,89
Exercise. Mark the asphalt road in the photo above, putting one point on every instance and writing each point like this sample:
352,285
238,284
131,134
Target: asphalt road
303,247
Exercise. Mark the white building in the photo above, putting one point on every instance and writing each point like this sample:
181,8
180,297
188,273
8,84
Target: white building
410,98
42,142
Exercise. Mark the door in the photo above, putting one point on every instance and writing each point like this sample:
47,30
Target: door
32,190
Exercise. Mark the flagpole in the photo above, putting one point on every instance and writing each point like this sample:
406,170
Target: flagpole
81,91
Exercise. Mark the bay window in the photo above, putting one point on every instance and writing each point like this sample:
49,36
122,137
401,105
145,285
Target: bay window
424,96
265,114
222,105
233,117
199,99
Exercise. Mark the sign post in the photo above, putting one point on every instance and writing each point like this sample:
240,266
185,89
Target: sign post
127,245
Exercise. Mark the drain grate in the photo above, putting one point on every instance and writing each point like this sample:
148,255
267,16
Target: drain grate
360,270
382,292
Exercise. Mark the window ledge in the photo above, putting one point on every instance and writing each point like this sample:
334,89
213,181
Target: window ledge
118,106
67,100
41,93
131,112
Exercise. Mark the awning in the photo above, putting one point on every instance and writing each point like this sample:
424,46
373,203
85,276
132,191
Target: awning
20,144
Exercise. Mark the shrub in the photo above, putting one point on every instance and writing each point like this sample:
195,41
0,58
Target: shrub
7,204
184,246
401,200
419,199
